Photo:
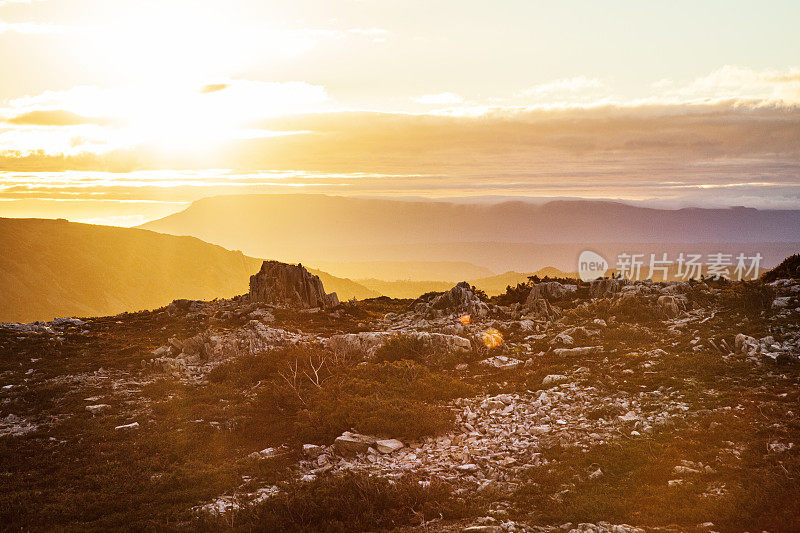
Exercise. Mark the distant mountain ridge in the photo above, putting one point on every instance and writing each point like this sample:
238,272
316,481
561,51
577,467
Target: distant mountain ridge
284,221
52,268
513,235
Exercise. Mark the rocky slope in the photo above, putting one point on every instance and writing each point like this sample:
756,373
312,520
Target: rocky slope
608,406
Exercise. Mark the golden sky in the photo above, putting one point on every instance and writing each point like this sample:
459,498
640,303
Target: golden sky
121,111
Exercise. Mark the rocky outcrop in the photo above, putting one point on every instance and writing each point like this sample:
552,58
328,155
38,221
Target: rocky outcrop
460,299
287,285
195,356
603,288
550,290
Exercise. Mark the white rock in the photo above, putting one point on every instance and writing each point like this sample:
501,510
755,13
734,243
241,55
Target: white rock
501,361
97,409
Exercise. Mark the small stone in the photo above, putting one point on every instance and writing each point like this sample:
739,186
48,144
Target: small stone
132,425
97,409
267,453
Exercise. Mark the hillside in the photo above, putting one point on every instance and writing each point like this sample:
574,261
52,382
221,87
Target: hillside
52,268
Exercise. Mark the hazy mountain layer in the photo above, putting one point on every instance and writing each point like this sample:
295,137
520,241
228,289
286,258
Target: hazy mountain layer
405,270
299,224
52,268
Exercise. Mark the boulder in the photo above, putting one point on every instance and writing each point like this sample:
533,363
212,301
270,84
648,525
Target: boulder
287,285
366,343
388,445
359,344
745,344
251,339
353,443
549,290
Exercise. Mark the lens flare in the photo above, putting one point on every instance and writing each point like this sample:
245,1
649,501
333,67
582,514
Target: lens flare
492,338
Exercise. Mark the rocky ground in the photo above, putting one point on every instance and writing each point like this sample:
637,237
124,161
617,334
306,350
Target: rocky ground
566,406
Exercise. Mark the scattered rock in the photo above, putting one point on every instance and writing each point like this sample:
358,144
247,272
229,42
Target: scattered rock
501,361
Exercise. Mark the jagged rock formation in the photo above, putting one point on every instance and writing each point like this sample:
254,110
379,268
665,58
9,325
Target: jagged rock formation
550,290
602,288
287,285
460,299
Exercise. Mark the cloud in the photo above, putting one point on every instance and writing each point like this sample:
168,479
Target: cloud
745,84
577,84
446,98
31,28
9,2
54,118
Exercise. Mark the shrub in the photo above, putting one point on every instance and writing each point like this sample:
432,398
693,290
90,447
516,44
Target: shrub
513,295
747,298
789,268
351,502
398,347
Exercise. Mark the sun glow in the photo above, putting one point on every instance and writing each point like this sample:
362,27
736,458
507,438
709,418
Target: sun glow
169,81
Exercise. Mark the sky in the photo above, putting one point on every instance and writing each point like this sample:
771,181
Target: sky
118,112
